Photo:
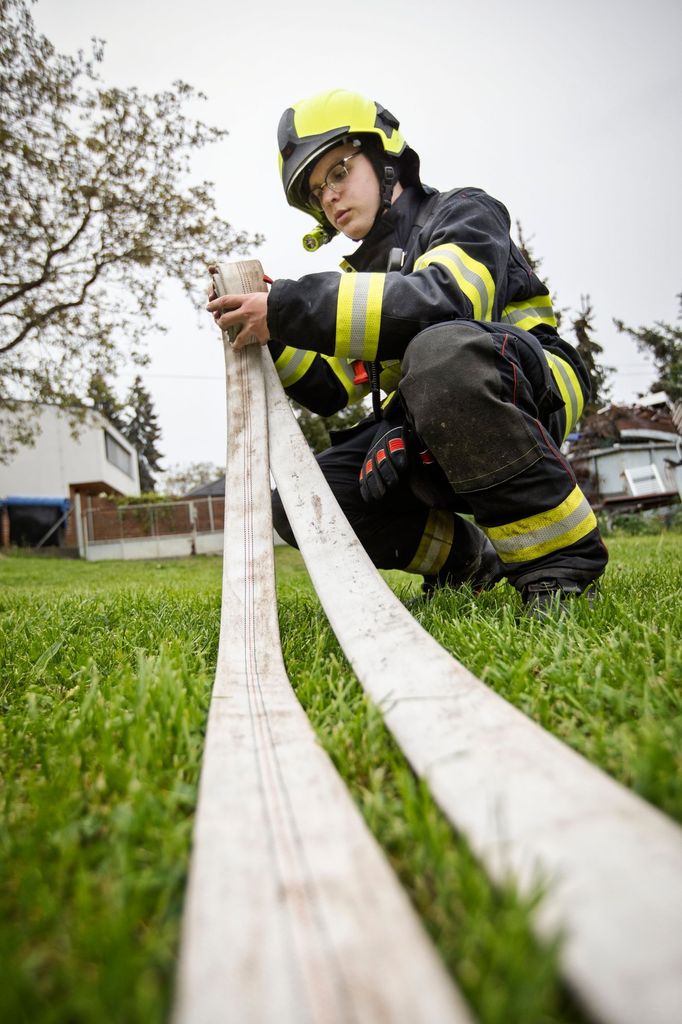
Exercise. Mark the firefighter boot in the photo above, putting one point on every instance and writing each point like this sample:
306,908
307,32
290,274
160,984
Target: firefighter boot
550,598
473,561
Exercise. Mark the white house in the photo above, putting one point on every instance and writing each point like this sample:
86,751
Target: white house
41,484
630,457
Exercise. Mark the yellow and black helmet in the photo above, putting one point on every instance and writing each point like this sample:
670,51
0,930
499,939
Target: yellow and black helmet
313,126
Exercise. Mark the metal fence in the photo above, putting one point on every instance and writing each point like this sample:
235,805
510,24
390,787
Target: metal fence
157,519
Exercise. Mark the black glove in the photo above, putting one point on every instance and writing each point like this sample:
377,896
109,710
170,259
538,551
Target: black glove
385,463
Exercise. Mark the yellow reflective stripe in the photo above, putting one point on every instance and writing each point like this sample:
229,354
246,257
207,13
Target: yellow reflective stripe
389,378
358,315
344,313
292,363
565,393
435,545
345,373
545,532
569,386
530,313
473,278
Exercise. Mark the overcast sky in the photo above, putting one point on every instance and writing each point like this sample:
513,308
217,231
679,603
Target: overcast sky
570,113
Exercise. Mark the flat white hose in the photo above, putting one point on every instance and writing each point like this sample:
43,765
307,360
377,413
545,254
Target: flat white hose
292,913
529,806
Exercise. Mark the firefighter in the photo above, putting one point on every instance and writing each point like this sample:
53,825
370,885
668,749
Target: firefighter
441,320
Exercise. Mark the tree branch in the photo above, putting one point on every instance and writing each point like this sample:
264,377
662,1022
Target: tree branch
52,253
59,307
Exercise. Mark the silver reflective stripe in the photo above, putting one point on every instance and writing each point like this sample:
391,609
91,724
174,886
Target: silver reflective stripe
435,544
475,280
292,364
433,558
544,537
557,366
356,348
545,314
469,280
346,368
344,372
342,367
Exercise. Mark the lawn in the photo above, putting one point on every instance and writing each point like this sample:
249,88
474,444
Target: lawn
105,676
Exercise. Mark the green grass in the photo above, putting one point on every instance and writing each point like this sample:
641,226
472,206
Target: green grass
106,673
608,681
105,676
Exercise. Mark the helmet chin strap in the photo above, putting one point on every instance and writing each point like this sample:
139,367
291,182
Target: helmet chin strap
387,176
387,184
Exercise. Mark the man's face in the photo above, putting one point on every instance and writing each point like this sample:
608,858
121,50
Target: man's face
351,209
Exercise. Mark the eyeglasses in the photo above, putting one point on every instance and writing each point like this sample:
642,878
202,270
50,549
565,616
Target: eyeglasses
334,180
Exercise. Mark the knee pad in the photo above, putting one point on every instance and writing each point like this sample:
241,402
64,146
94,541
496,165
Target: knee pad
460,403
442,368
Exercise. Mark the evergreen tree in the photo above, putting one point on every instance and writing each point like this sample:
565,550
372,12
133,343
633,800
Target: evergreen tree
316,428
143,431
583,327
535,262
663,342
524,244
181,479
590,351
104,401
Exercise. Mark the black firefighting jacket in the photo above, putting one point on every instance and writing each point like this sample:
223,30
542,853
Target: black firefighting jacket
459,262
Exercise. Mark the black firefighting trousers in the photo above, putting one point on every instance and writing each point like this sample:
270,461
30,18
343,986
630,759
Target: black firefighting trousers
482,399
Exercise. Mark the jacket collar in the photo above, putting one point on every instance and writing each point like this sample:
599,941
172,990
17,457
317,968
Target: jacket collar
389,231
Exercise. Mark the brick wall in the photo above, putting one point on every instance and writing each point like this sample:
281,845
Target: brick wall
4,526
103,519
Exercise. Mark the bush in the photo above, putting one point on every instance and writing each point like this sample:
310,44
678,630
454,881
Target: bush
643,524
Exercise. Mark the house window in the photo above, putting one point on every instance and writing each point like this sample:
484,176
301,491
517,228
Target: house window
117,455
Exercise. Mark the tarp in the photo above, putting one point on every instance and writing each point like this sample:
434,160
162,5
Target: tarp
61,503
